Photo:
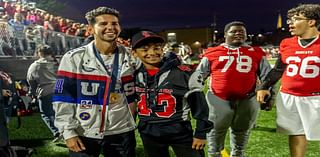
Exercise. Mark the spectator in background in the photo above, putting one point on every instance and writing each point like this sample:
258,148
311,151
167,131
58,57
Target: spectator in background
72,29
41,77
3,16
18,25
63,25
32,17
33,36
10,8
40,17
233,68
4,136
5,48
298,64
54,20
30,37
81,31
18,7
47,24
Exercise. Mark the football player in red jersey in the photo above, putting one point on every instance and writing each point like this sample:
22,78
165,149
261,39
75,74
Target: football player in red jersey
167,92
233,68
298,102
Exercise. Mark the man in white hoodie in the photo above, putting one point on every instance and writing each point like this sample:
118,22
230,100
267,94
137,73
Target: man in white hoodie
94,92
41,77
233,68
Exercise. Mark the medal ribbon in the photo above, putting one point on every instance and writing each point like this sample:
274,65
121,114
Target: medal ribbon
110,87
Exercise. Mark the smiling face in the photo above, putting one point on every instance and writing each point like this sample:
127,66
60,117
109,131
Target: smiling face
106,28
149,54
235,35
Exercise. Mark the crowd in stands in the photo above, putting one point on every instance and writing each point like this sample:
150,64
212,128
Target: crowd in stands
23,27
271,51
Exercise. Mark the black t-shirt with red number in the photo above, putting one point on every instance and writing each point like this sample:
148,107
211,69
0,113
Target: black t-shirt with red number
164,99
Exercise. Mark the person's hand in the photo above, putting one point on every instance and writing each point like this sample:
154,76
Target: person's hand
34,100
198,144
75,144
6,93
261,94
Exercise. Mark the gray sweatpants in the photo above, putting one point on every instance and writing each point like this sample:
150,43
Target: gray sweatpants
238,115
47,113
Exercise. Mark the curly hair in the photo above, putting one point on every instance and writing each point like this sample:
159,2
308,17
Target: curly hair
91,15
310,11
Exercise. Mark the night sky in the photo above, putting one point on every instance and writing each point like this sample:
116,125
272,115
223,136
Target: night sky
163,14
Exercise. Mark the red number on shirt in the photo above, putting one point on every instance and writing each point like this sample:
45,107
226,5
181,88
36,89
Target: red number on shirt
166,100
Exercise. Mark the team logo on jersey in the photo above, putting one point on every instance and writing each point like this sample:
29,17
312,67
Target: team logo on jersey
59,85
89,88
146,34
184,68
84,116
86,104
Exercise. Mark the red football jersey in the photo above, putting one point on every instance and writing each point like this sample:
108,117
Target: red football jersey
233,71
301,76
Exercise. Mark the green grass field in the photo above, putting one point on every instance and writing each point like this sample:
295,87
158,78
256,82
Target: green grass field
264,141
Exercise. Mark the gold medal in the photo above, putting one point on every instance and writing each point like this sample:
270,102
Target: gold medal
114,98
